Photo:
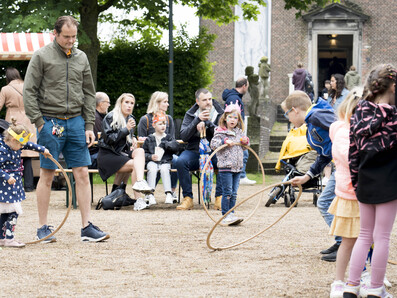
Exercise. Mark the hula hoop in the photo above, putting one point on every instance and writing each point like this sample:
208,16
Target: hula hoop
206,165
260,232
392,262
69,207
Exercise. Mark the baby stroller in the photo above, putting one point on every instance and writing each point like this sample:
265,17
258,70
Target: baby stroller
288,191
296,156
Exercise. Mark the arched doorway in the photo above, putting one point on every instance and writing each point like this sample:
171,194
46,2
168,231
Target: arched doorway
335,41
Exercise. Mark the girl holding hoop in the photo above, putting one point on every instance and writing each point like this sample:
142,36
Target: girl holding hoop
14,139
230,159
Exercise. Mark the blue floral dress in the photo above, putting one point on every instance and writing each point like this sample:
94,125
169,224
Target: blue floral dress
11,166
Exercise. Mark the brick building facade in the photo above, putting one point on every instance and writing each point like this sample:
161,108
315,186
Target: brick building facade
366,27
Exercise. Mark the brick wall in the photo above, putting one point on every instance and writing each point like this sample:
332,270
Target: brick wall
223,56
289,44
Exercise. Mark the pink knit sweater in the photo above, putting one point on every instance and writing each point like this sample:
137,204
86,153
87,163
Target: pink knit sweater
339,134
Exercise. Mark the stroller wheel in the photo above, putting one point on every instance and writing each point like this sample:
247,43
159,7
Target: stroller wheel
287,200
293,198
315,198
274,193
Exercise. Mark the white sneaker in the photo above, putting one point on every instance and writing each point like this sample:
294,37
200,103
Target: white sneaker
140,204
246,181
231,220
151,200
169,199
143,187
377,292
175,196
337,289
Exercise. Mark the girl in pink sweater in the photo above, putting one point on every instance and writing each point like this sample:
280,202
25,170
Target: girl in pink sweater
346,222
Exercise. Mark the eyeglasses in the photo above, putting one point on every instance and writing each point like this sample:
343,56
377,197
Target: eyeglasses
287,112
108,102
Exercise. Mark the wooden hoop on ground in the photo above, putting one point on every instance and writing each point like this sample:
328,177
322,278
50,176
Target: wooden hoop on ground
392,262
260,232
206,165
69,207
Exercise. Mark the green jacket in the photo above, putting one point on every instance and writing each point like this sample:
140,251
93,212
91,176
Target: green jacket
59,86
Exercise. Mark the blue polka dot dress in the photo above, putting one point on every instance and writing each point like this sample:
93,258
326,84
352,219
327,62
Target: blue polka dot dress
11,166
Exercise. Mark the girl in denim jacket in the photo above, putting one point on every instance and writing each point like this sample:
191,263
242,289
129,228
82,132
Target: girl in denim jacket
230,159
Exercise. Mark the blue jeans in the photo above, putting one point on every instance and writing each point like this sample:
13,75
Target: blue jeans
325,200
230,182
189,161
243,174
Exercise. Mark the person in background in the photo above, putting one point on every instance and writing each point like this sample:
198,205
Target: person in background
327,88
158,103
155,143
203,115
352,78
338,91
11,96
235,96
64,114
102,106
298,77
118,152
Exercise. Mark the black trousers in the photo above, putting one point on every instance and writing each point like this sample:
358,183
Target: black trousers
28,173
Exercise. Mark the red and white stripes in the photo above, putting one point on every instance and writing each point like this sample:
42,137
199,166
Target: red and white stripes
20,46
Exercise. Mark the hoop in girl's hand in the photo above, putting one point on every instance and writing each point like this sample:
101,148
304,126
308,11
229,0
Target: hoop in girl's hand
205,167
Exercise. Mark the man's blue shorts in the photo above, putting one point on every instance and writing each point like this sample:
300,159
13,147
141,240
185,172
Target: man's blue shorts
72,144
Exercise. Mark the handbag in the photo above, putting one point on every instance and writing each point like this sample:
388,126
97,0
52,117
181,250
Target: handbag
116,199
113,201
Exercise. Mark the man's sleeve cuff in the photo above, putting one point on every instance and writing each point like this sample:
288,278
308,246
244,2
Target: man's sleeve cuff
89,126
39,122
310,174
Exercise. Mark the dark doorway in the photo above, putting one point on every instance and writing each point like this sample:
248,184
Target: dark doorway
334,56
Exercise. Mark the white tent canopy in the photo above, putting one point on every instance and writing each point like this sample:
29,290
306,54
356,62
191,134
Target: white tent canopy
20,46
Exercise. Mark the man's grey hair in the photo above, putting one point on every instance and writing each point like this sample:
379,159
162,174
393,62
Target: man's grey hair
201,90
100,96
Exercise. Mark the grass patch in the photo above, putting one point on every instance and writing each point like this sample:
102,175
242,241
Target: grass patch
269,179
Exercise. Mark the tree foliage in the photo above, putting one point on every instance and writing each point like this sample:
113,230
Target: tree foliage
39,15
142,68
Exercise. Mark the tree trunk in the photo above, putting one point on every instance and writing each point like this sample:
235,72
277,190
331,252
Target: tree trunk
88,40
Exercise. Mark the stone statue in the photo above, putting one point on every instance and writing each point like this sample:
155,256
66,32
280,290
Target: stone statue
264,70
253,90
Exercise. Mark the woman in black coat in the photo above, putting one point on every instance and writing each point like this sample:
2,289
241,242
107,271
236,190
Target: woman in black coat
118,153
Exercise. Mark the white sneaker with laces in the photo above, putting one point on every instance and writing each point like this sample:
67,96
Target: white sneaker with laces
151,200
246,181
140,204
337,289
143,187
169,199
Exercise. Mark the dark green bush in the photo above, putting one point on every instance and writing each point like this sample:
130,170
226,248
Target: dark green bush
142,68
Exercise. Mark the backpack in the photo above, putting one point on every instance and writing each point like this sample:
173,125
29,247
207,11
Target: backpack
309,86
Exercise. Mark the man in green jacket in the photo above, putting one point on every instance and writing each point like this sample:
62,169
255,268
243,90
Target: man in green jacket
59,98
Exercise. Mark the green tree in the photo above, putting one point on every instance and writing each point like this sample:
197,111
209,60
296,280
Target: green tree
38,15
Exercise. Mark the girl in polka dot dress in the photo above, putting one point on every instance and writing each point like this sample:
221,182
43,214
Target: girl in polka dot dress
14,139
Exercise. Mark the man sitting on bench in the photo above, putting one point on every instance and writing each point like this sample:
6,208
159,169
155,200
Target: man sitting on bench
204,114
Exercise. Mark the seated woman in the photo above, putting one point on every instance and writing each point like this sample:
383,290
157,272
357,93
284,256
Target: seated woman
118,153
159,104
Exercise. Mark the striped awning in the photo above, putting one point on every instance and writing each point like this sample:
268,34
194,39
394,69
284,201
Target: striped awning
20,46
